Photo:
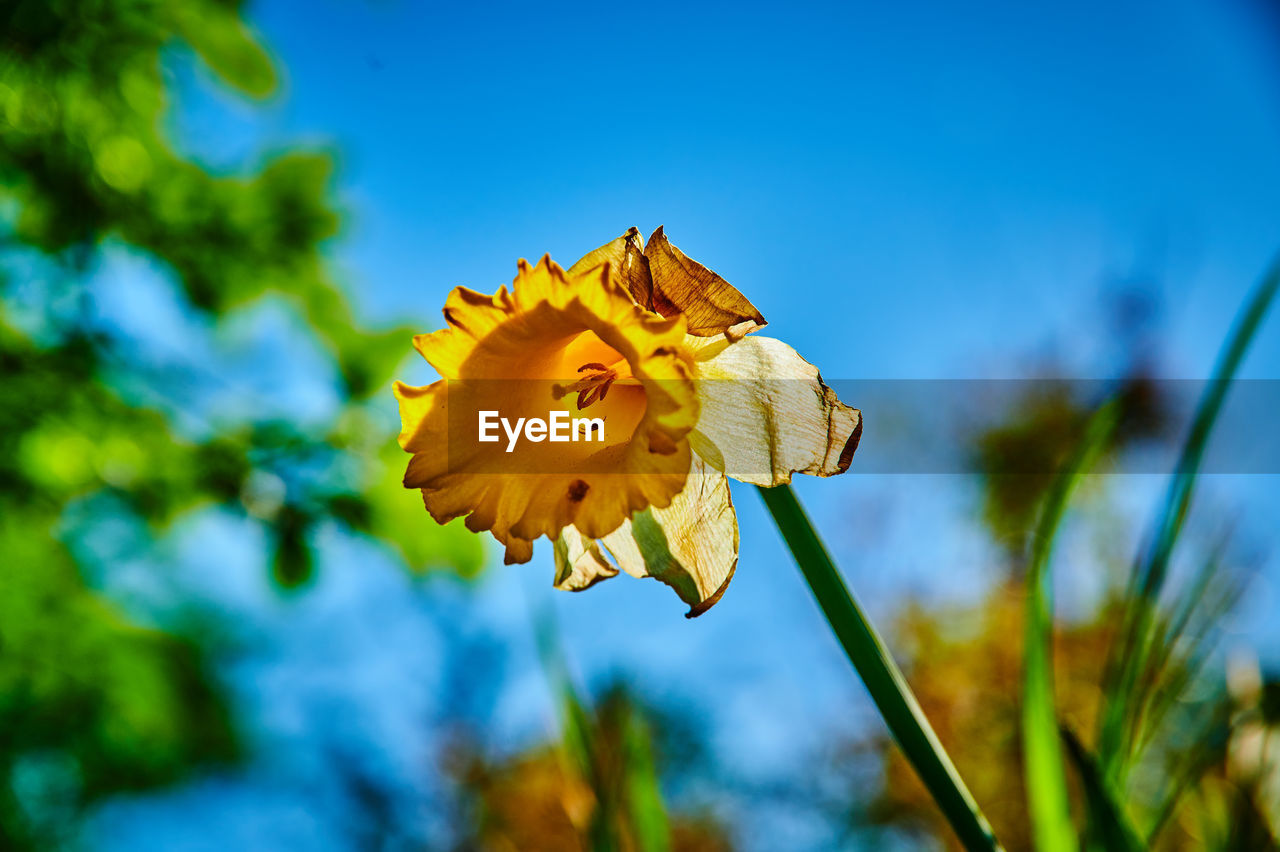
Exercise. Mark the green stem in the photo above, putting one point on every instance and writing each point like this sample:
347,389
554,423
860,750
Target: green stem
883,679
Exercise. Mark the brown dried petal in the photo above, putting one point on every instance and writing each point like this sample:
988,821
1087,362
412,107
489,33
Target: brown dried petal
630,266
681,285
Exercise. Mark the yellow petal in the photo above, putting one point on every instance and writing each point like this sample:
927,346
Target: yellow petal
579,562
691,545
469,318
681,285
630,266
766,414
514,352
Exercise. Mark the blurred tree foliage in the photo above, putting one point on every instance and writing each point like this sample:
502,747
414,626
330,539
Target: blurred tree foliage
1018,458
90,703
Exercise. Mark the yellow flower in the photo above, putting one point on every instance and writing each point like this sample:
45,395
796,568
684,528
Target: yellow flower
604,406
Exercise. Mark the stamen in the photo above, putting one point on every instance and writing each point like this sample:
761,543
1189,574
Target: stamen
591,388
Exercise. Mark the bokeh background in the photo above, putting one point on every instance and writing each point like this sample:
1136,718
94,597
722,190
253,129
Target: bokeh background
224,625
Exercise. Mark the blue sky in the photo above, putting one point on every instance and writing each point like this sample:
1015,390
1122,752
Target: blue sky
910,190
896,186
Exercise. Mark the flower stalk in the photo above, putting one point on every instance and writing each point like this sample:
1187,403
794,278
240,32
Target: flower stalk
884,681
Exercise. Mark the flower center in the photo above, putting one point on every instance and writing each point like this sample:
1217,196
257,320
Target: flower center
594,386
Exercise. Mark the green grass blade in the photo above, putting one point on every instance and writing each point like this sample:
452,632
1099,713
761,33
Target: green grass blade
577,736
1190,768
1178,498
643,791
1046,779
1122,718
884,681
1114,829
1186,646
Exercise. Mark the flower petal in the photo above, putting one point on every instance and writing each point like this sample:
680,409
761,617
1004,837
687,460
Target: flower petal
766,414
691,545
579,562
630,267
681,285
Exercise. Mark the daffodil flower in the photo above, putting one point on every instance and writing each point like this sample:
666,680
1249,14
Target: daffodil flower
660,350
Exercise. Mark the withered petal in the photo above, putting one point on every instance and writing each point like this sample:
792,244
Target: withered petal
630,266
691,545
580,564
766,414
681,285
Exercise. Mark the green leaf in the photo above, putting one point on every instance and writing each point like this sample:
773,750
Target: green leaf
1123,718
292,565
220,37
884,681
1114,829
1046,779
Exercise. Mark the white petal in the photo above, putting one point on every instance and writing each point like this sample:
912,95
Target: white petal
691,545
579,562
766,414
